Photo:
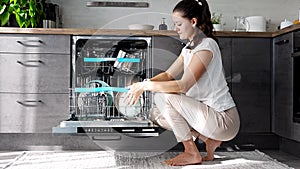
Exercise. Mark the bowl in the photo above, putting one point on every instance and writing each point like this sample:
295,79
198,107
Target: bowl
140,27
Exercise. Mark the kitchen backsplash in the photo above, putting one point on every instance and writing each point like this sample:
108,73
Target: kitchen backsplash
75,14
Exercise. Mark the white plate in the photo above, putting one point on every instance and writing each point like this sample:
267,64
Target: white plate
125,109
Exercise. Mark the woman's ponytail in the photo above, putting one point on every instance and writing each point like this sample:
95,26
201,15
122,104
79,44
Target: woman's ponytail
205,24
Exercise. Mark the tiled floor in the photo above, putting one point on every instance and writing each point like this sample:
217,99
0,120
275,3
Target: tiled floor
285,158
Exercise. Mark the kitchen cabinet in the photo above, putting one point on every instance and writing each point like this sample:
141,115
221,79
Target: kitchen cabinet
225,45
35,78
251,61
283,72
283,91
31,113
34,73
247,66
165,50
21,43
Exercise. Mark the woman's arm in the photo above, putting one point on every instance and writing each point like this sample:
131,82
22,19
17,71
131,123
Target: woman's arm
191,75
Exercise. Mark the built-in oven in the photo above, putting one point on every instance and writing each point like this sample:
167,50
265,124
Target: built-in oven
296,77
102,69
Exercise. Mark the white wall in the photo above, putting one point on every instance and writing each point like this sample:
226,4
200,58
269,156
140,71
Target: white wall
274,10
77,15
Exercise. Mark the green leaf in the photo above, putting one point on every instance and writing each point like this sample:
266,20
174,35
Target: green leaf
31,13
11,8
23,2
17,7
28,22
20,20
2,9
32,6
33,22
4,1
4,18
22,13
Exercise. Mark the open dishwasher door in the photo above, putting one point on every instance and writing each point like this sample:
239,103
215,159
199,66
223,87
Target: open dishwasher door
102,68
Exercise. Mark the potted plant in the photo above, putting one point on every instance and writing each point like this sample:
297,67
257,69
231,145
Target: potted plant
216,21
26,13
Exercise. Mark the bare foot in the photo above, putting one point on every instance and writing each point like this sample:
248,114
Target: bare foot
211,146
185,158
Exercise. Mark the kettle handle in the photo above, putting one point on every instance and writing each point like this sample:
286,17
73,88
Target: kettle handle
247,24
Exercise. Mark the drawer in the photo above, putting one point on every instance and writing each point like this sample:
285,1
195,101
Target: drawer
34,73
32,113
19,43
121,142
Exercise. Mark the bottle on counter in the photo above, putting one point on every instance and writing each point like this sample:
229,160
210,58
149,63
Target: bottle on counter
297,21
298,14
163,25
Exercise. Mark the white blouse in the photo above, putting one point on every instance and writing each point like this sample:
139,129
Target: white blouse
211,88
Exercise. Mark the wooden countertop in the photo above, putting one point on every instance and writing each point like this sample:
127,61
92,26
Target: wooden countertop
78,31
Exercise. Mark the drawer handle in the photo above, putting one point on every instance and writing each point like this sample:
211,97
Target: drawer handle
234,78
296,54
31,43
30,63
285,41
30,103
107,138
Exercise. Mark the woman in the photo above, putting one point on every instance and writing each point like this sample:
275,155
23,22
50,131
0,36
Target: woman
199,103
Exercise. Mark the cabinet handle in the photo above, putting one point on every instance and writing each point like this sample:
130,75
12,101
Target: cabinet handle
285,41
296,54
107,137
30,63
30,103
31,43
234,78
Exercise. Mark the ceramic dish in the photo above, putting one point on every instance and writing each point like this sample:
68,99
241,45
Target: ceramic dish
140,27
122,106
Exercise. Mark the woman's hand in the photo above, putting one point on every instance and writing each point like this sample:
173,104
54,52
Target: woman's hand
134,93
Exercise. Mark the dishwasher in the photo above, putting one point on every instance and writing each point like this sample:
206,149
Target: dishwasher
102,69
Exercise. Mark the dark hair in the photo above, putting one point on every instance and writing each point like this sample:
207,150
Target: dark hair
198,9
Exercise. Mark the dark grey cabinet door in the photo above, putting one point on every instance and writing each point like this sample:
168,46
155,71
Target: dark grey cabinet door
165,51
251,84
225,47
283,87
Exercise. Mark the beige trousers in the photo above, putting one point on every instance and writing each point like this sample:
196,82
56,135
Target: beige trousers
181,114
